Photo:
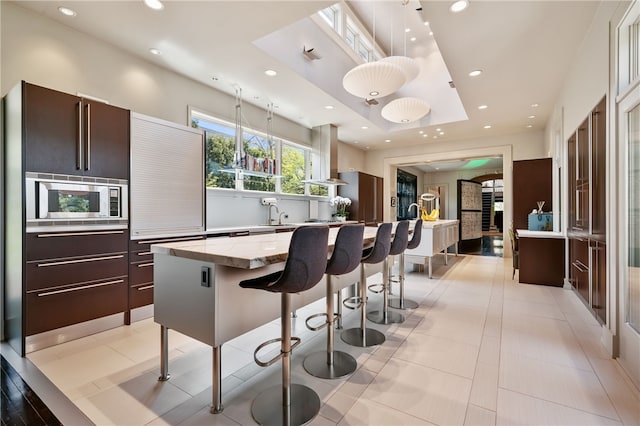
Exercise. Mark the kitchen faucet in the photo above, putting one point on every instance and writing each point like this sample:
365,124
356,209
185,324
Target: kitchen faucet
286,216
277,212
411,205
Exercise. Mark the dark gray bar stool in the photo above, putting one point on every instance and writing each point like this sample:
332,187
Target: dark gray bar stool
399,245
346,256
401,302
363,336
295,404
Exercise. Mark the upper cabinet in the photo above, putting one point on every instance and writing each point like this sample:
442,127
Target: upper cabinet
67,134
365,192
586,170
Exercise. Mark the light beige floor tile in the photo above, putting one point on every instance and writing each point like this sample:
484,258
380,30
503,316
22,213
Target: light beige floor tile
528,293
423,392
439,353
625,399
136,402
366,412
204,417
337,406
320,420
484,390
195,410
518,409
451,328
575,388
356,384
82,368
478,416
489,350
521,307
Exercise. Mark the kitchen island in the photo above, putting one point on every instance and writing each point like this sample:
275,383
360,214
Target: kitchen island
437,237
197,290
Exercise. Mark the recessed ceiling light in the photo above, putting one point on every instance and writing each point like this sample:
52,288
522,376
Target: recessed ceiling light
441,133
426,22
407,30
488,126
413,38
387,140
529,126
425,135
459,6
328,107
356,142
475,73
421,131
66,11
154,4
532,116
367,146
271,73
431,33
438,129
364,127
435,136
482,107
535,105
155,51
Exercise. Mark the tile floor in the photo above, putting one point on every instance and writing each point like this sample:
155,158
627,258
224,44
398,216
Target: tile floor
480,350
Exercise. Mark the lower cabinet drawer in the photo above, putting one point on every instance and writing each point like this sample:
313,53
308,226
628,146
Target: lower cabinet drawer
48,309
140,295
66,271
141,273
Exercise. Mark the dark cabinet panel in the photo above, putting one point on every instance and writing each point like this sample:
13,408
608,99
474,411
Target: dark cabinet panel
51,245
541,261
55,308
599,169
532,182
67,134
365,192
599,278
579,266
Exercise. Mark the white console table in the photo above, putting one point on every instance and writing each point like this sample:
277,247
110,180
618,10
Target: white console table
437,237
197,292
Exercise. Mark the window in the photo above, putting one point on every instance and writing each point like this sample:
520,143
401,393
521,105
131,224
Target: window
344,23
270,166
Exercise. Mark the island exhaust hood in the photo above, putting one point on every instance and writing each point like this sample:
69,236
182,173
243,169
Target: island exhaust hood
324,140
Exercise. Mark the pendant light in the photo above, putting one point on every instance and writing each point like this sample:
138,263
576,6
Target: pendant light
374,79
405,110
238,156
409,66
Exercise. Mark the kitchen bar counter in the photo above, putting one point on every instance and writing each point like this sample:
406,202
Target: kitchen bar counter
541,257
197,290
437,237
266,229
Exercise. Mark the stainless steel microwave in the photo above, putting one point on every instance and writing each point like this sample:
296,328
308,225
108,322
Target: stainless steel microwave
62,198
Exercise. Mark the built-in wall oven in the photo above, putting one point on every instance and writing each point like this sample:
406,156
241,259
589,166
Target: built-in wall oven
63,200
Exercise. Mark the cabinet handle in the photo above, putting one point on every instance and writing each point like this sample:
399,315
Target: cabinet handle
79,234
79,141
579,266
144,265
146,287
144,253
84,287
71,262
169,240
88,165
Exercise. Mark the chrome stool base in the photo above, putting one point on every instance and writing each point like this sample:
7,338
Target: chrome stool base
403,304
362,338
385,317
267,408
342,365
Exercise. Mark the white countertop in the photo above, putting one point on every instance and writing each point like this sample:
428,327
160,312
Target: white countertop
247,252
524,233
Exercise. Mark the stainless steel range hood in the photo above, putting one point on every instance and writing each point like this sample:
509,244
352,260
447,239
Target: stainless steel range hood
324,140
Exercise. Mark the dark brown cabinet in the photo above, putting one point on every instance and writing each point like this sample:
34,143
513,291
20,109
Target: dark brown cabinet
365,192
72,277
67,134
587,216
532,182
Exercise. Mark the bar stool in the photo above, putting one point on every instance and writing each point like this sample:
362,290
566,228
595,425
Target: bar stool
305,266
399,245
346,256
401,302
363,336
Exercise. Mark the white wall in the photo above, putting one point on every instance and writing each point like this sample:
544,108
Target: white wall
44,52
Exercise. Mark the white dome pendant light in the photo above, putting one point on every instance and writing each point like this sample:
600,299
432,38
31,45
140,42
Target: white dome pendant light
409,65
374,79
405,110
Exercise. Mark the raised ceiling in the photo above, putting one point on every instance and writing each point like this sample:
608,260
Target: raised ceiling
525,49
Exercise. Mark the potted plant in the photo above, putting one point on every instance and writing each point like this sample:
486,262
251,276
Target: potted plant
341,204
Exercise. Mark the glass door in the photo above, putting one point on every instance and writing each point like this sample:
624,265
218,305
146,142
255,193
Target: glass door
629,121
